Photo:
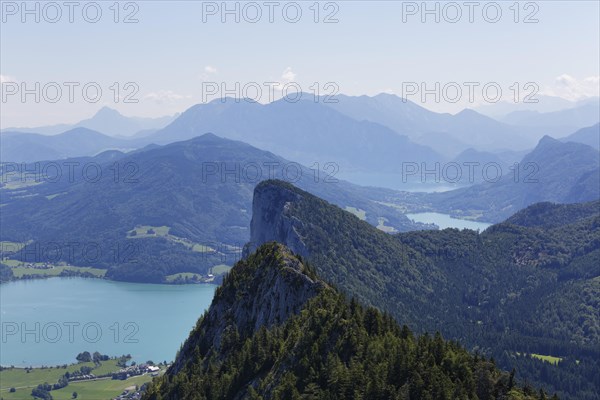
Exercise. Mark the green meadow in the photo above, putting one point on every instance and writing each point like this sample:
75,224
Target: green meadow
103,388
220,269
148,231
362,214
20,271
383,227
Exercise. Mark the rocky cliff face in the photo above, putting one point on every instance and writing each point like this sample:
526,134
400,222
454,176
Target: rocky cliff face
261,291
271,220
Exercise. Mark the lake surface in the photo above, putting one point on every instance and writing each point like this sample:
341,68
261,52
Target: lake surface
396,182
50,321
446,221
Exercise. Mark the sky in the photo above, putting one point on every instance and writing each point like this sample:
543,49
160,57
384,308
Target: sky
155,58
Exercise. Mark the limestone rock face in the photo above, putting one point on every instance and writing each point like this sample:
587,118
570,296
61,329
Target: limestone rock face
261,291
271,221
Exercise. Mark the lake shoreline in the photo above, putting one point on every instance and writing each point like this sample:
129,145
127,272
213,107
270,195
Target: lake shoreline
47,321
99,273
445,221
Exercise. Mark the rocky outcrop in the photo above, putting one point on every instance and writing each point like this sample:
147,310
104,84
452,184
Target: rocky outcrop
271,219
261,291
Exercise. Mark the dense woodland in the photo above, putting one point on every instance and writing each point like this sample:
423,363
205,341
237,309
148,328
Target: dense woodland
527,286
332,349
6,273
180,186
506,292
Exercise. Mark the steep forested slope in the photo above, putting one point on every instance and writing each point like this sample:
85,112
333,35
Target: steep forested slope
276,331
505,291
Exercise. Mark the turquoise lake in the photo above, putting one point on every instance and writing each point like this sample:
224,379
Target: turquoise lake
395,181
50,321
446,221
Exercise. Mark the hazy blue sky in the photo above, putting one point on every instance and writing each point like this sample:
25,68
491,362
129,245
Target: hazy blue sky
170,51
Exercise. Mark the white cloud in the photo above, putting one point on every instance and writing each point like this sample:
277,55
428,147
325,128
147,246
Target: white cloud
571,88
208,70
288,75
165,96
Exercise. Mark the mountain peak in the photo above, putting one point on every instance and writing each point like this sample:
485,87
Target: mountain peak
81,131
211,139
548,140
208,136
275,330
470,113
263,290
107,112
269,220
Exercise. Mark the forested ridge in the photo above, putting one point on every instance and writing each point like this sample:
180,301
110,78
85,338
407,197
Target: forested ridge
183,187
508,292
332,348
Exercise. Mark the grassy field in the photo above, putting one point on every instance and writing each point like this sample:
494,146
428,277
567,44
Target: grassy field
163,231
381,226
201,248
19,271
549,359
220,269
92,390
11,247
197,247
105,389
362,214
12,263
50,197
19,183
403,209
106,367
183,275
18,377
142,231
102,389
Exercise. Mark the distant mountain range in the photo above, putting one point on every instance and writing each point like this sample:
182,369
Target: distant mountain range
589,136
373,135
191,196
511,289
557,122
305,131
107,121
358,132
77,142
544,104
441,131
554,171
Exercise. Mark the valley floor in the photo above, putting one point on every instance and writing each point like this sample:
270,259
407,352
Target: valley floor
23,380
